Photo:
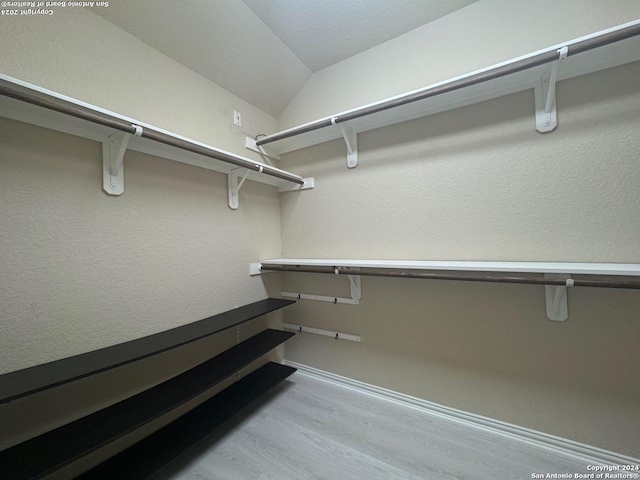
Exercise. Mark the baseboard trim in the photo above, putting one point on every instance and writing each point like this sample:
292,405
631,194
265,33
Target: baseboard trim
591,455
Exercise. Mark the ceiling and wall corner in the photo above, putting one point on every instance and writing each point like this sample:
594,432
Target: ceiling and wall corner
224,42
324,33
265,51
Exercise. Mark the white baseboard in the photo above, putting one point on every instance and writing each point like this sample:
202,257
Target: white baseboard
587,453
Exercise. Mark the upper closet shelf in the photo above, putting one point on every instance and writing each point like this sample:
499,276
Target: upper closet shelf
37,106
539,70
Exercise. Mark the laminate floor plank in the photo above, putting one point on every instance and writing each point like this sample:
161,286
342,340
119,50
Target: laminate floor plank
311,429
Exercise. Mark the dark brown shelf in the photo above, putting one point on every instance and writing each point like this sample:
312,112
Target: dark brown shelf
48,452
149,455
41,377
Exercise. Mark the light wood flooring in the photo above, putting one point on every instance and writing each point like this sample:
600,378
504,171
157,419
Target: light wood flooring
311,429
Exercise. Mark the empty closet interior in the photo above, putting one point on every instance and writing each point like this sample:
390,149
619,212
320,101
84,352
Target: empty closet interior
209,209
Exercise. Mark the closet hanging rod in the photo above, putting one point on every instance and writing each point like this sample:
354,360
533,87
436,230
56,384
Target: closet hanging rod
51,102
502,70
372,272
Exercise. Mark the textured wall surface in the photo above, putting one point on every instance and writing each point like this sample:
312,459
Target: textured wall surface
83,270
479,183
480,35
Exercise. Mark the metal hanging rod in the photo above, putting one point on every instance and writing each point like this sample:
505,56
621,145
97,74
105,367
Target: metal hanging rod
372,272
467,81
51,102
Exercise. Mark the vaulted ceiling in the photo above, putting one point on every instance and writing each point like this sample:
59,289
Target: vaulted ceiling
265,50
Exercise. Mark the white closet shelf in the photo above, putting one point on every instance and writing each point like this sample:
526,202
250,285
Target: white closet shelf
556,277
538,70
31,104
632,269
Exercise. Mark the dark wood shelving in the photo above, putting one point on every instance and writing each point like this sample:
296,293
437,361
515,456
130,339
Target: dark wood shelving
57,448
41,377
149,455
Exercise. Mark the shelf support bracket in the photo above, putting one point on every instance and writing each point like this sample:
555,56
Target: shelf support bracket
351,140
356,286
235,184
545,92
113,150
556,297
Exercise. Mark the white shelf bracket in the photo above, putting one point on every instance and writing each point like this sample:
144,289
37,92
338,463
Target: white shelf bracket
113,150
351,140
545,93
235,184
356,286
254,269
556,297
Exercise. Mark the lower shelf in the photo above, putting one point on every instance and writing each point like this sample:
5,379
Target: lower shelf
149,455
53,450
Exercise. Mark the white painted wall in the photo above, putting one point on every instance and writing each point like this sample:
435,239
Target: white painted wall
479,183
83,270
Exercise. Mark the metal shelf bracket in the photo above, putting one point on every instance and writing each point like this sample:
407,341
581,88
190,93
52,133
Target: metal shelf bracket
356,292
113,149
351,140
545,92
235,184
319,331
320,298
556,298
